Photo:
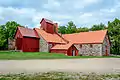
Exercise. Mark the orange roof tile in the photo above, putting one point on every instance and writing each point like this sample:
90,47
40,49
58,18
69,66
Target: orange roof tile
50,37
28,32
62,46
86,37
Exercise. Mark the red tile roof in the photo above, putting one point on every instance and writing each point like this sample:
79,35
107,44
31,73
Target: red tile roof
62,46
27,32
50,37
86,37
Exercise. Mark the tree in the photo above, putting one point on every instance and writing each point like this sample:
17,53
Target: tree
98,27
3,39
71,28
84,29
62,29
114,33
7,31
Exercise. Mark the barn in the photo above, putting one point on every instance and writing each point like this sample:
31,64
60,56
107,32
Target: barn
47,39
26,40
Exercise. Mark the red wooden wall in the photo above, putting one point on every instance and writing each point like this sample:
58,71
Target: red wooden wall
30,44
68,52
58,51
48,27
26,44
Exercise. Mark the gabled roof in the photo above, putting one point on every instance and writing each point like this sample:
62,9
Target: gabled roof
27,32
86,37
50,37
62,46
47,20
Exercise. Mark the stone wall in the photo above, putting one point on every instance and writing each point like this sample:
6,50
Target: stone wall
87,50
43,45
11,44
106,44
96,49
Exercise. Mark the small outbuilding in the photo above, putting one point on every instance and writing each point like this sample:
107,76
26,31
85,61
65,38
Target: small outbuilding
68,49
27,40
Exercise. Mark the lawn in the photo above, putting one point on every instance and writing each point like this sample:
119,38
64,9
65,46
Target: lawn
7,55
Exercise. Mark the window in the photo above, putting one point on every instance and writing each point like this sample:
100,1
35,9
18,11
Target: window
91,45
80,45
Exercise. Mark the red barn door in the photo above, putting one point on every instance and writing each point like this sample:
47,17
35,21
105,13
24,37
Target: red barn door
19,43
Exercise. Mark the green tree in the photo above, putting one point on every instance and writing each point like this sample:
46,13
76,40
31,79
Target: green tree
84,29
7,31
98,27
114,33
62,29
71,28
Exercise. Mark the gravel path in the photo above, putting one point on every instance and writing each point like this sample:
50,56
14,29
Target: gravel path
98,65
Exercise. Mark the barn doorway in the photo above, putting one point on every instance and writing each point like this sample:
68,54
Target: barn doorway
106,51
19,43
73,52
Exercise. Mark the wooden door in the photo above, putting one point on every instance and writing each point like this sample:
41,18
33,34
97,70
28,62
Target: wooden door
106,51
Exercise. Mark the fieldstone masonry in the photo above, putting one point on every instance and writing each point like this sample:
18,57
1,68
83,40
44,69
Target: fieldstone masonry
43,45
95,50
106,45
11,44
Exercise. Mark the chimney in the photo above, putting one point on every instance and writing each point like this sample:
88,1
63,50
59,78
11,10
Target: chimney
56,27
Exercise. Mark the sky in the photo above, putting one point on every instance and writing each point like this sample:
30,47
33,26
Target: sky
84,13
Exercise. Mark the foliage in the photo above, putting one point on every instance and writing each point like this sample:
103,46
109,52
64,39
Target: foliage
62,29
98,27
84,29
7,31
114,33
69,28
60,76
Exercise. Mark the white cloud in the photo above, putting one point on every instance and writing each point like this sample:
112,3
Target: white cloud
61,11
51,4
83,3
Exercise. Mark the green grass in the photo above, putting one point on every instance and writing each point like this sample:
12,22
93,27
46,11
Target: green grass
7,55
60,76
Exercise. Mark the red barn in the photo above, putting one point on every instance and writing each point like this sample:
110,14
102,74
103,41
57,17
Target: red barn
27,40
47,39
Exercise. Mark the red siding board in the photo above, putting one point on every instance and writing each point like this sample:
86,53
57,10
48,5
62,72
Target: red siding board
59,51
68,52
50,28
18,34
26,44
30,44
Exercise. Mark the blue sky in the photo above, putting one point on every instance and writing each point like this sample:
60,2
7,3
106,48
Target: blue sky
84,13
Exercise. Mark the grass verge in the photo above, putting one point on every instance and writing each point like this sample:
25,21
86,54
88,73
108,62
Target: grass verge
7,55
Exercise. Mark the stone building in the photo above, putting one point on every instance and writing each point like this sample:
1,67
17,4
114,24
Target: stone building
93,43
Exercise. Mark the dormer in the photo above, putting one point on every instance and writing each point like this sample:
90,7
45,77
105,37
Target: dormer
48,26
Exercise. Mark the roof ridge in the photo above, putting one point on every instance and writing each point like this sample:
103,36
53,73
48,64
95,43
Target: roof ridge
86,32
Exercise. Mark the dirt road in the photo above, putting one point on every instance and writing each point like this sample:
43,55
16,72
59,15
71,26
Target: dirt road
98,65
